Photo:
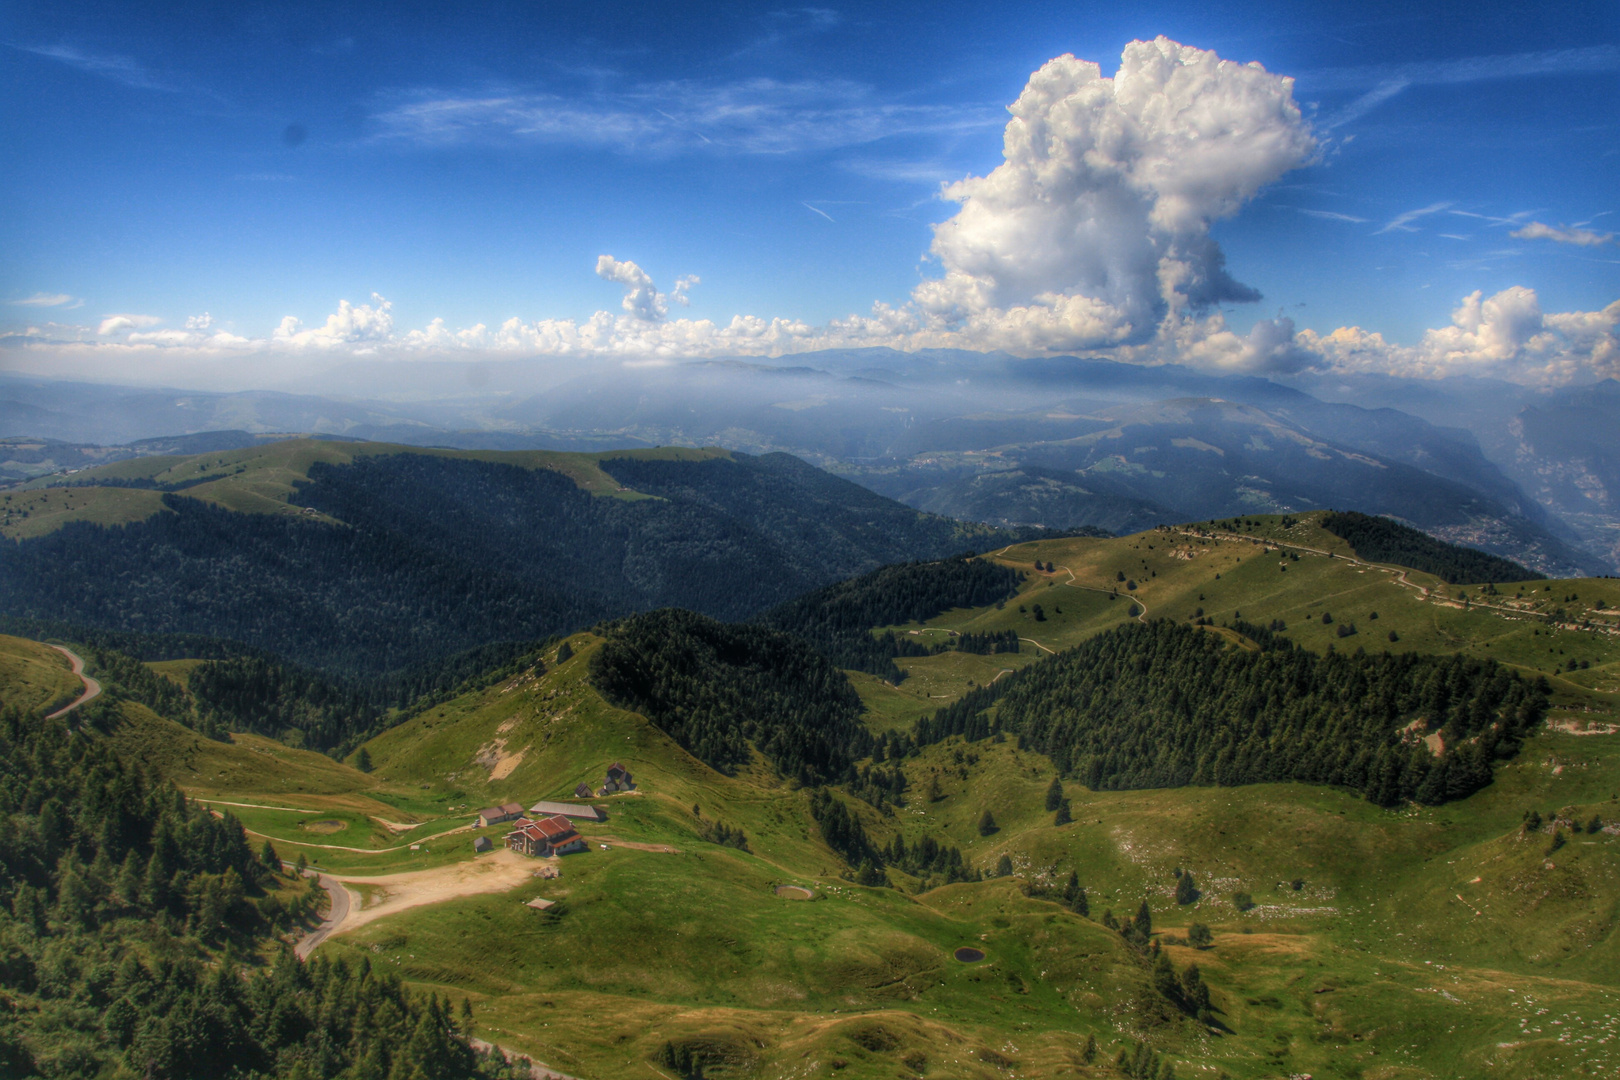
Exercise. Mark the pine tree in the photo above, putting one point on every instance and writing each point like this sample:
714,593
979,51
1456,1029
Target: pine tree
1199,936
1143,923
1088,1052
362,760
1164,979
564,652
935,792
1004,866
987,823
1195,993
871,875
1054,794
1186,889
1080,904
1063,816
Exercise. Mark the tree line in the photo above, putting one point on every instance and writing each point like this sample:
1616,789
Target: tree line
245,690
720,688
1378,539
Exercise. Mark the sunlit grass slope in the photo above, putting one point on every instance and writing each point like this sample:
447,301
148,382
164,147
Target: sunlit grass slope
1297,575
35,676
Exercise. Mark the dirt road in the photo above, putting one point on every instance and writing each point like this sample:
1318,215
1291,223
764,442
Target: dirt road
335,917
91,687
496,872
340,847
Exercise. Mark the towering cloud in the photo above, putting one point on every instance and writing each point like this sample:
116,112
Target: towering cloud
1095,229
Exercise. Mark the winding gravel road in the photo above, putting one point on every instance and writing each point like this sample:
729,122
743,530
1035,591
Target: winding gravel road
91,687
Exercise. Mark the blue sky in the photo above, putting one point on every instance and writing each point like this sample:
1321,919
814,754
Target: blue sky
471,163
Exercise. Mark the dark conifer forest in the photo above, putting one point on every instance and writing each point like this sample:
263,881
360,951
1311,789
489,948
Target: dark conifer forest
435,556
716,687
1164,705
249,690
1378,539
837,619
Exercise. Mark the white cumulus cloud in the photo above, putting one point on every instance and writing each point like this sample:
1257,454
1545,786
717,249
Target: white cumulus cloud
1505,336
1094,230
350,324
112,324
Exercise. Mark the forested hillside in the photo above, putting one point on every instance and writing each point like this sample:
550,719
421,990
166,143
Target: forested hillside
125,912
1378,539
1163,705
240,688
838,619
715,688
430,556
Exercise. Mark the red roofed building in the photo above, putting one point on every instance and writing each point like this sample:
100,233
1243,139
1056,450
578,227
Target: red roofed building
546,837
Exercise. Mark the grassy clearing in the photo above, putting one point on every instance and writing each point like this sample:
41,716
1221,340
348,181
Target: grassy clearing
177,670
25,514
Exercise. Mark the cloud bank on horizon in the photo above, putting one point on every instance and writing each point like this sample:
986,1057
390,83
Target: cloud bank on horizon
1093,235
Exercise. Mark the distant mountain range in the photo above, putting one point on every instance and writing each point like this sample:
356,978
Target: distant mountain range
1063,442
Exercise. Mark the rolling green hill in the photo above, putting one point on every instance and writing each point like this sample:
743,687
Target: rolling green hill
1346,940
360,559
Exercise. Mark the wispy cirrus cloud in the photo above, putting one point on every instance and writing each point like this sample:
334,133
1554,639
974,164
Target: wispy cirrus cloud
1588,60
1569,235
120,69
1494,219
752,116
1403,222
1382,82
1364,104
1331,215
48,300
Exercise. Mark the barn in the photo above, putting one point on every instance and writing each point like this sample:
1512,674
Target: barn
545,838
494,815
